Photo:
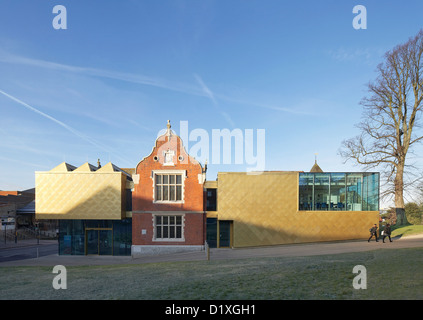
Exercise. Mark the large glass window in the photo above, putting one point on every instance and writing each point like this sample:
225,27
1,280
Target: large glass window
371,191
71,237
306,191
168,187
321,191
354,191
103,237
339,191
168,228
122,237
211,200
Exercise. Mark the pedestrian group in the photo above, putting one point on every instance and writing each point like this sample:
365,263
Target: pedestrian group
385,233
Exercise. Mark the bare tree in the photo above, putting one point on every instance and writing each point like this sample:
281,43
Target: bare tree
390,119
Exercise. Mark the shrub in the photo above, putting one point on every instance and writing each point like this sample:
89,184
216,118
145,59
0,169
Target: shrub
413,213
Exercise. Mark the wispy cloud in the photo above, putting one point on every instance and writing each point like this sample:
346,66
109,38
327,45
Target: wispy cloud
25,163
190,89
12,143
205,89
293,110
362,55
122,76
62,124
208,93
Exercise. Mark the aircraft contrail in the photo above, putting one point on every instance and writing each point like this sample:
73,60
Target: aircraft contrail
64,125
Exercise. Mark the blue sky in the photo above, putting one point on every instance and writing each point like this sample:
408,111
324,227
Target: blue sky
105,86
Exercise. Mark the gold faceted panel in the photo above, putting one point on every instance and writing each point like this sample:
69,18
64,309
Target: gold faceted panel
264,211
80,194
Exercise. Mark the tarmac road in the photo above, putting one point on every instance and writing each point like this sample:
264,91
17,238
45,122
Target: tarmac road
27,252
24,253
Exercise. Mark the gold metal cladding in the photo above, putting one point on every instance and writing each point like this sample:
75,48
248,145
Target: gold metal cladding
80,193
264,209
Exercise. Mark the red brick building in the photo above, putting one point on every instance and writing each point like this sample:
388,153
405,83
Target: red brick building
168,213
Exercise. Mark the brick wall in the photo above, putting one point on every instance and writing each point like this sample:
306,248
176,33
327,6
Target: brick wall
194,230
192,207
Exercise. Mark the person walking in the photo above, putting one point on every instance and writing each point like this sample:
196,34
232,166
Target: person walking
387,233
373,232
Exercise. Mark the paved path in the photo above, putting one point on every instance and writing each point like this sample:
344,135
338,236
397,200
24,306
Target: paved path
290,250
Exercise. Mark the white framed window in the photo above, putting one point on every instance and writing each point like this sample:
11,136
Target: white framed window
168,186
168,227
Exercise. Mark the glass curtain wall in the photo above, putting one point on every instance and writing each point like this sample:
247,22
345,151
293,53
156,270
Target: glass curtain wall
102,237
122,237
354,191
71,237
371,191
339,191
306,191
321,191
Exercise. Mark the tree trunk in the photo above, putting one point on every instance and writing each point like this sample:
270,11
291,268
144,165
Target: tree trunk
399,195
401,218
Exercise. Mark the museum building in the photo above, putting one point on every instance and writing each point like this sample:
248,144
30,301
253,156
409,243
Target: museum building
165,204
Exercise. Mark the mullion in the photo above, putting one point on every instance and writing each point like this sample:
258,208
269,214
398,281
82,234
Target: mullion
168,191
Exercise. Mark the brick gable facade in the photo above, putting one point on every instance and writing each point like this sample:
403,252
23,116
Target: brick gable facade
168,213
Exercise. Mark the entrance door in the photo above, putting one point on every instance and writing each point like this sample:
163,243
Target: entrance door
92,241
105,242
99,241
224,234
212,232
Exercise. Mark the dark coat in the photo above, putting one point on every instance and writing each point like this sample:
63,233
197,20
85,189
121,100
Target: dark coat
387,230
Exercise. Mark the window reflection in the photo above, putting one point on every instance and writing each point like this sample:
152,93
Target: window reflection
321,191
339,191
104,237
306,191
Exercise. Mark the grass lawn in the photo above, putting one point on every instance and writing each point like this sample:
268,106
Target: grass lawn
407,230
391,274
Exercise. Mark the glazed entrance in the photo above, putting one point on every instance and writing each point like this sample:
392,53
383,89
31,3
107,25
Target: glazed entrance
99,241
95,237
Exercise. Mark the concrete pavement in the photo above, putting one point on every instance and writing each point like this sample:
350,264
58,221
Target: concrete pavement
289,250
